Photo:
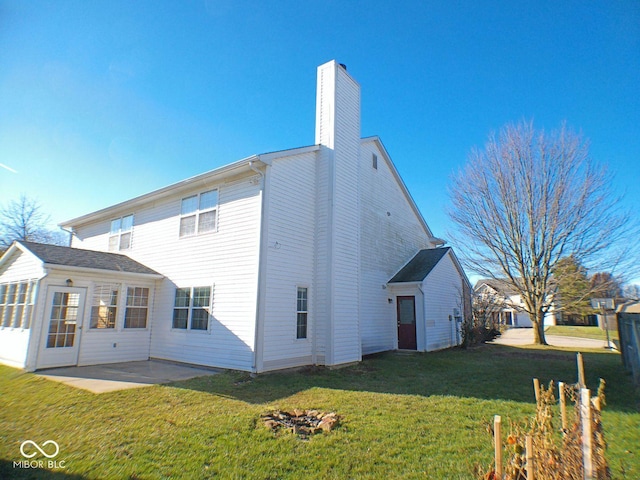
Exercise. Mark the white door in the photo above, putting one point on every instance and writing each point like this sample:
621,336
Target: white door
62,327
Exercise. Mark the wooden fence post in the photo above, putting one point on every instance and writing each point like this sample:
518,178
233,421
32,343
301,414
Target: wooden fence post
529,447
563,406
536,389
497,441
585,418
581,381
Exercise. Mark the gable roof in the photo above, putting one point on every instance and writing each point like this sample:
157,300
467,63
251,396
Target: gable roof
502,286
420,266
55,255
244,166
403,187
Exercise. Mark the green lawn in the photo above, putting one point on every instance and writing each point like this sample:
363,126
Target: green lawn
583,332
404,416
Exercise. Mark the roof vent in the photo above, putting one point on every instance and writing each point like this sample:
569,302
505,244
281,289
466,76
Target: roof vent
343,66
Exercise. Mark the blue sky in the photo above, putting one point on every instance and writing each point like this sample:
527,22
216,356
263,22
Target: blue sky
101,101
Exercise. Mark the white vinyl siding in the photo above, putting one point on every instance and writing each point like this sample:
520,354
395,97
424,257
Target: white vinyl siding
390,235
442,298
338,131
19,268
290,260
107,345
228,260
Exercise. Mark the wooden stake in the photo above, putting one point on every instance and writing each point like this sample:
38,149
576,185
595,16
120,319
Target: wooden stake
581,381
585,417
497,441
563,406
529,447
536,389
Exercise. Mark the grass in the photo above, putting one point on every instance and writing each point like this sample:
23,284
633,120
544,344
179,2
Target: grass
582,332
404,416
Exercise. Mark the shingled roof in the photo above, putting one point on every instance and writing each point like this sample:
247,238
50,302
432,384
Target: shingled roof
420,266
499,285
77,257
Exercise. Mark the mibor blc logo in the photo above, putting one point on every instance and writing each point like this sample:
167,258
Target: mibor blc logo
30,449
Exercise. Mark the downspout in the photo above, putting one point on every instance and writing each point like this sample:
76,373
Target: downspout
424,317
259,327
70,232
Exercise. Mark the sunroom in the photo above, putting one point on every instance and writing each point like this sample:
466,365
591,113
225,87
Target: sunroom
62,306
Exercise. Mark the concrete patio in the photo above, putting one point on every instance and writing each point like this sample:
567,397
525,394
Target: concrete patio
122,376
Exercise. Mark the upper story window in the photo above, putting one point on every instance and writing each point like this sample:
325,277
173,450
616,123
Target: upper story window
374,161
120,233
198,213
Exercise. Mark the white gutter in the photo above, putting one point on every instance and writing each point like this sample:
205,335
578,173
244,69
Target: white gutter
101,271
204,179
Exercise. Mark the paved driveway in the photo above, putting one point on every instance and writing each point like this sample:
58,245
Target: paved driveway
122,376
524,336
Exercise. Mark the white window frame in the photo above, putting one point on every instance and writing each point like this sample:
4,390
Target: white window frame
190,307
302,309
21,304
135,302
119,235
97,302
198,213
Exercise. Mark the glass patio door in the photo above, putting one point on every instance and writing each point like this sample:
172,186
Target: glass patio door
62,327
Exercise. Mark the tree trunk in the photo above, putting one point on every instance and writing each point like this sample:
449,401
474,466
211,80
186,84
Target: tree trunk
538,329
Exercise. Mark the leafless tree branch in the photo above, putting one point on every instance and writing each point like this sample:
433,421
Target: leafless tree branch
530,199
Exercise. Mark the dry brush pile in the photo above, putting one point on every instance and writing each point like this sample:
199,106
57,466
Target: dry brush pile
556,453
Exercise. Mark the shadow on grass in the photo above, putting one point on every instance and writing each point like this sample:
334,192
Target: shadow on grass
490,372
7,470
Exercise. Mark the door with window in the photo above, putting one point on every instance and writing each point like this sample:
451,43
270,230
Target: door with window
62,326
407,323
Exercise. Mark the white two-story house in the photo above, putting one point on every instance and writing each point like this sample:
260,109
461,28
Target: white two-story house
311,256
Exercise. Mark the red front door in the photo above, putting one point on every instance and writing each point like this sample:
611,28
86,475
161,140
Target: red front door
407,323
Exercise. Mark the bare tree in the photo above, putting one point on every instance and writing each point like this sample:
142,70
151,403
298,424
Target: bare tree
631,292
23,219
531,198
605,285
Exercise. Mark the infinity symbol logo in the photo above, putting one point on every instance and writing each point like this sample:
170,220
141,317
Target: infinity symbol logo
37,447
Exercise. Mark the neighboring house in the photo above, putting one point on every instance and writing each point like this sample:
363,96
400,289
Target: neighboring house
508,305
311,256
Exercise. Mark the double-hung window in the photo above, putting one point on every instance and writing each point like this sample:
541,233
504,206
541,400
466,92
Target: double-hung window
199,213
104,308
136,311
120,233
302,312
192,308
